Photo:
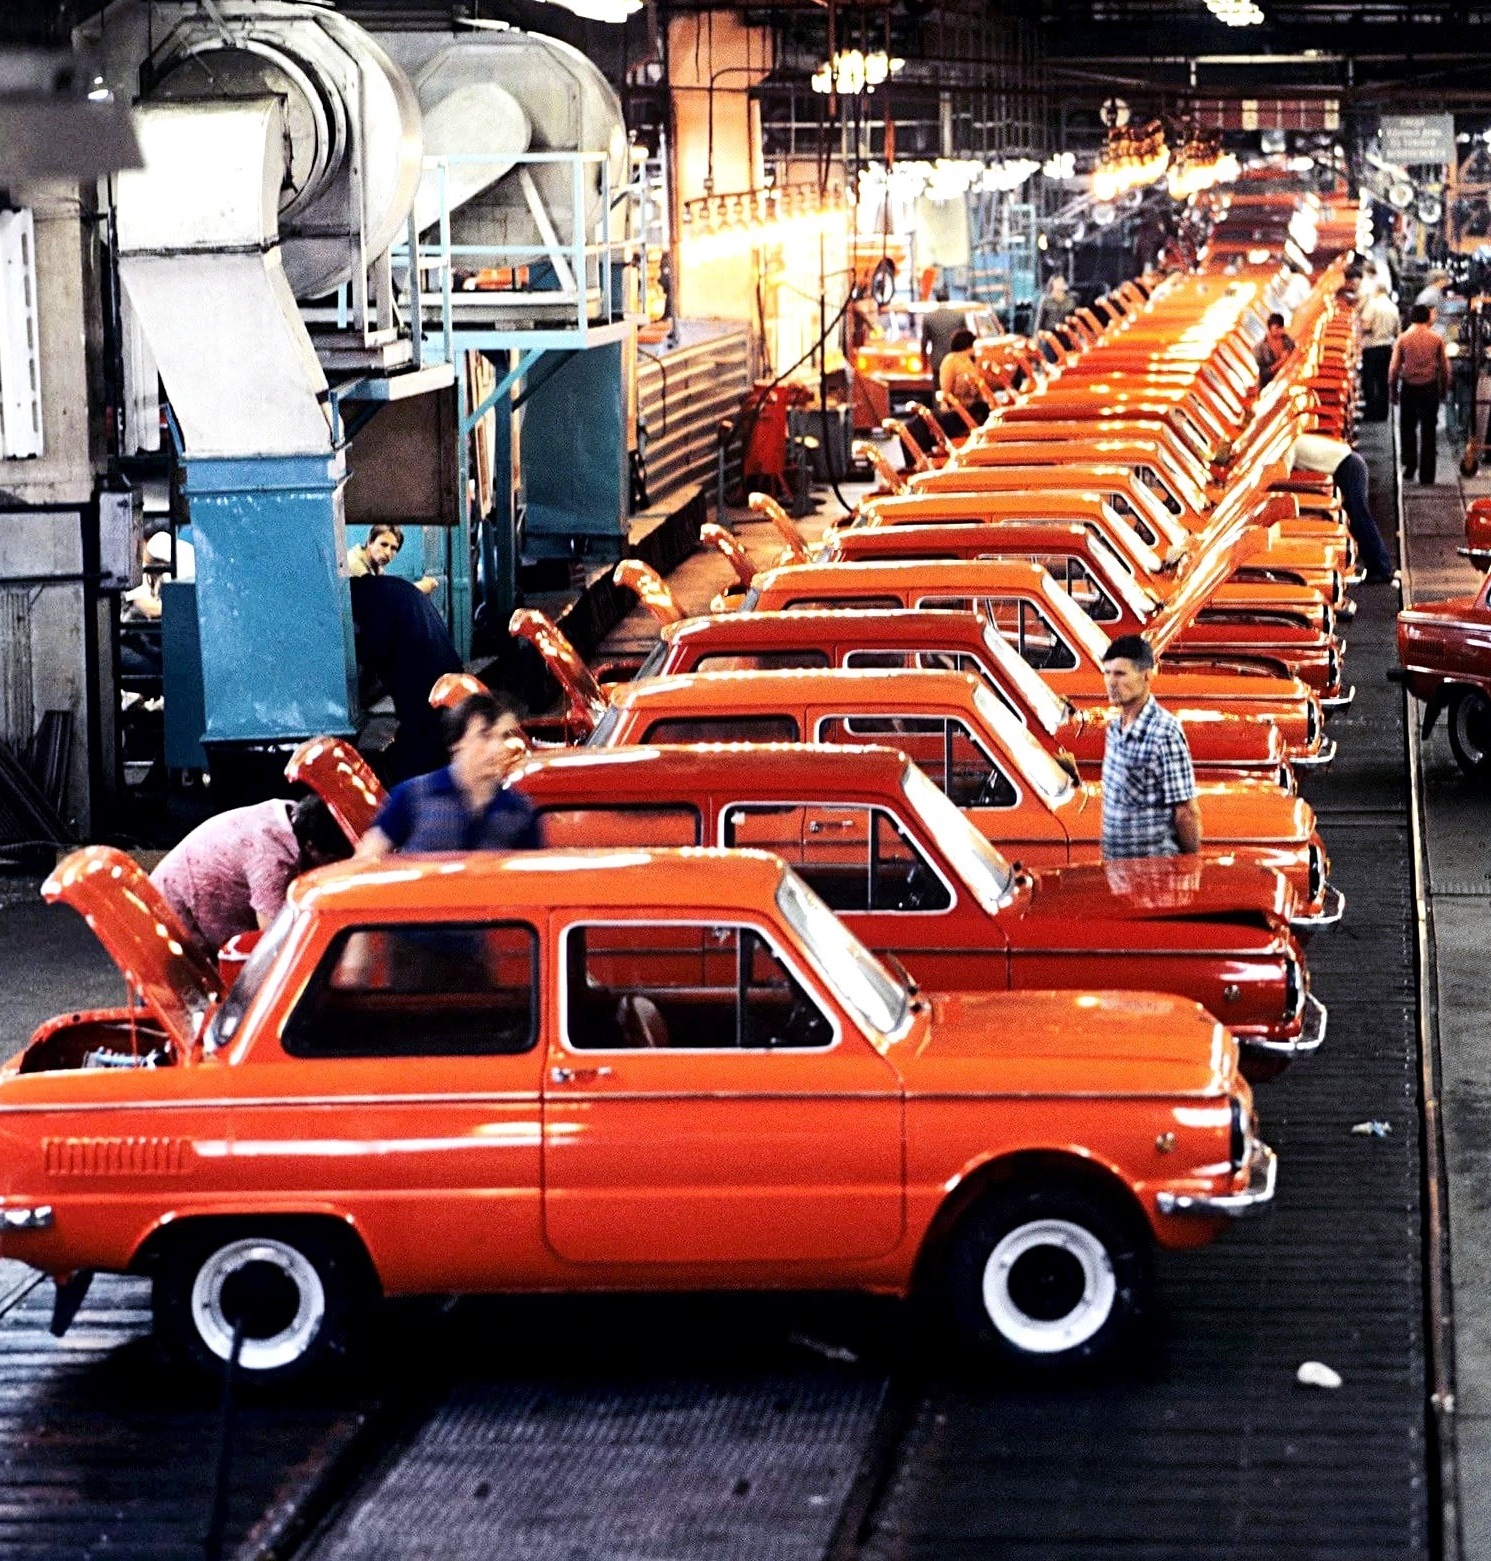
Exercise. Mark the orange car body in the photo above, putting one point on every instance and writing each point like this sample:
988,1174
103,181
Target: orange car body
513,1152
1001,586
763,641
977,752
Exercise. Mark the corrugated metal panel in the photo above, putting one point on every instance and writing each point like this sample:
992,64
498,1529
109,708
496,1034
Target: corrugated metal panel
17,708
681,397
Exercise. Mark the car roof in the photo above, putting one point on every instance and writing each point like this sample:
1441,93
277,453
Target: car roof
771,628
897,572
725,693
687,766
484,884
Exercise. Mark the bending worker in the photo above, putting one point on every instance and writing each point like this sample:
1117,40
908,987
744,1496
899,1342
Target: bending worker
230,874
1149,786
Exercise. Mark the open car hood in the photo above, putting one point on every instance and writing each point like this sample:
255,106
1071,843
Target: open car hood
177,983
583,696
340,776
1175,888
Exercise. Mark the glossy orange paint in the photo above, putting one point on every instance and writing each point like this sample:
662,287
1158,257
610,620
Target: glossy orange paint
976,750
554,1166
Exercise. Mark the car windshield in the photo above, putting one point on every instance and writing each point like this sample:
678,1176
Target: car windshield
654,662
222,1028
1043,702
1034,763
858,979
974,860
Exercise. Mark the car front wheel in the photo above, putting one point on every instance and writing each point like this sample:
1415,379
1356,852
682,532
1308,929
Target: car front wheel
1049,1280
1470,733
292,1291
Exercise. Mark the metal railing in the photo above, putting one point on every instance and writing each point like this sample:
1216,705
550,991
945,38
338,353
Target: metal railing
579,275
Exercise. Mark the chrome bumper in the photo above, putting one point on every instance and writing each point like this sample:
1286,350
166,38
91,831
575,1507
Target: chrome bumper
1311,1033
1311,761
1263,1176
1332,907
1341,700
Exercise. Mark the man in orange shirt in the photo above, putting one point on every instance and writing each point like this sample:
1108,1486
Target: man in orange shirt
1418,376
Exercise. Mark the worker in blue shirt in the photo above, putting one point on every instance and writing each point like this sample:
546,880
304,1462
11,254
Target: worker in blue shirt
463,807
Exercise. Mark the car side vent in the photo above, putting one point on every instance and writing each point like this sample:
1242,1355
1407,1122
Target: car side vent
115,1156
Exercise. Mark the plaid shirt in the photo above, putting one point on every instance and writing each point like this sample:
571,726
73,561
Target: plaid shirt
1147,774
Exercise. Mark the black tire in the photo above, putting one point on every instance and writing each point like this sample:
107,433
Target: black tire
1048,1280
1470,733
296,1288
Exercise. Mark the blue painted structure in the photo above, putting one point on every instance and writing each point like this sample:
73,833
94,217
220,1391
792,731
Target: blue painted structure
272,603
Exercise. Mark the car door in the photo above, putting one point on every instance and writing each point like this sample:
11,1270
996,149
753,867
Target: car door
407,1098
705,1104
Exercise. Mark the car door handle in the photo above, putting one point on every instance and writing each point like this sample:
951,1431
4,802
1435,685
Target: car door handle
577,1075
816,826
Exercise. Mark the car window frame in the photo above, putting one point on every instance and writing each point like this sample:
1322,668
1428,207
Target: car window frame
887,740
871,807
811,985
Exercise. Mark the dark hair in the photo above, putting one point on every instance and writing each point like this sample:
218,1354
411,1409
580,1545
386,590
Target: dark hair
1421,314
961,342
317,832
486,707
942,294
1130,647
386,529
1276,319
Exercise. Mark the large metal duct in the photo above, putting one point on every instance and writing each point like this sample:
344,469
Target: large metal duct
510,91
351,125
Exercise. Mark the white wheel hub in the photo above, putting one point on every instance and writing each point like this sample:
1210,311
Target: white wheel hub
273,1287
1049,1286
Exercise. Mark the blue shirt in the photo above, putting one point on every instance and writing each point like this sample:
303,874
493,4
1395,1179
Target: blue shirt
429,813
1147,774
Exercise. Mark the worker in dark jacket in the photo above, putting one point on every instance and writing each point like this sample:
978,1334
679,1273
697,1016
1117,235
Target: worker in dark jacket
403,645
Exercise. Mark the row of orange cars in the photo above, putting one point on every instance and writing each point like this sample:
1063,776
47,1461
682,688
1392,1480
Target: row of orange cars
819,981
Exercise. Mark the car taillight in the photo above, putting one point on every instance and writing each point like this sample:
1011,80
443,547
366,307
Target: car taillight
1294,995
1317,872
1237,1147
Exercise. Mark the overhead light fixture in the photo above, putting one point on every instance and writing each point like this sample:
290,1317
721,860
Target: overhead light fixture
851,72
1236,13
1060,165
1130,160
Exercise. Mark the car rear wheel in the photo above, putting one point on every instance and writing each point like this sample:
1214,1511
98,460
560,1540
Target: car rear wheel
293,1291
1470,732
1047,1279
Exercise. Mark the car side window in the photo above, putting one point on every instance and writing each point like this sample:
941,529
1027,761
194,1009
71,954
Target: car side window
843,603
761,661
1028,629
1076,579
600,827
856,858
658,986
943,746
934,661
427,989
723,729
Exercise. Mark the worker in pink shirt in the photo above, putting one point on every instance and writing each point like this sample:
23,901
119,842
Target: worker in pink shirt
230,874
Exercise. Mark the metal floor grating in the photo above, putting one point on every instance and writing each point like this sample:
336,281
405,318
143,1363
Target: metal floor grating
687,1471
1208,1450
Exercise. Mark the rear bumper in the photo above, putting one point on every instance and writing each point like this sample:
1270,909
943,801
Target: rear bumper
1311,1034
1332,907
1317,760
1263,1176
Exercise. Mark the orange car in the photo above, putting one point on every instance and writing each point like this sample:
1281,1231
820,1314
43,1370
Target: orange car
1002,588
611,1070
968,641
913,877
976,751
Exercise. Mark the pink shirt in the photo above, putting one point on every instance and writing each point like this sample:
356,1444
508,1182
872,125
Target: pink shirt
231,870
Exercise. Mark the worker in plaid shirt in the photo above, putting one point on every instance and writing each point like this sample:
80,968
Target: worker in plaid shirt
1149,787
